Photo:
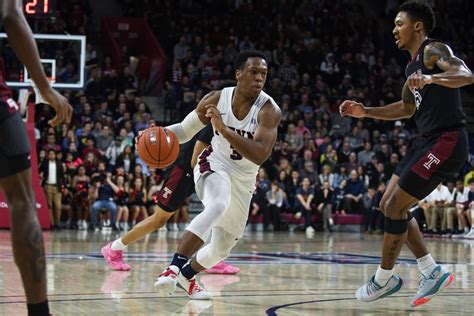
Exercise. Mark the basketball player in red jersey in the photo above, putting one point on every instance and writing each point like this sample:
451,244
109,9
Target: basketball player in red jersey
15,165
431,94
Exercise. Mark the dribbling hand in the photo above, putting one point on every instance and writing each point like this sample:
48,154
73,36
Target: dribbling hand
60,105
352,108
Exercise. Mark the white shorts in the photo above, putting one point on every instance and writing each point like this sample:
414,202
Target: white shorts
235,217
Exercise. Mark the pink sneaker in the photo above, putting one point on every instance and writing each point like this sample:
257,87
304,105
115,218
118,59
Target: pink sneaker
223,268
113,258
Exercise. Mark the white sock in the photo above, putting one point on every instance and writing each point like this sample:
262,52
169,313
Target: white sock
426,264
382,276
118,245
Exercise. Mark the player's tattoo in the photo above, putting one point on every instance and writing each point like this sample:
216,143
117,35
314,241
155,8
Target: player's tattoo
440,54
392,251
407,95
34,241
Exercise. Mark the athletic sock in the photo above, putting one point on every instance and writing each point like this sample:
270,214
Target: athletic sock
39,309
426,264
188,272
118,245
179,260
382,276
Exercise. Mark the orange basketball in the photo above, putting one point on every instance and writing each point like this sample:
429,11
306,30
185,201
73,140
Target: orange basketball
158,147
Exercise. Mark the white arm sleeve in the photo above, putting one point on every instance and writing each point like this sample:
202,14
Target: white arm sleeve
189,127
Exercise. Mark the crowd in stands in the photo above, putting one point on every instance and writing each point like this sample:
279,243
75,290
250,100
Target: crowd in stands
318,54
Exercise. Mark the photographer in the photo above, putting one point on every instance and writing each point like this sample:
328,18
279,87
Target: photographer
103,194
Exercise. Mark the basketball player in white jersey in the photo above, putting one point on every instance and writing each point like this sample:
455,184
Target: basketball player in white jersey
245,121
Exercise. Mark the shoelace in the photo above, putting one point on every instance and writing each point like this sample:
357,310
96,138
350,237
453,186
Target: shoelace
194,286
372,287
117,256
167,273
421,283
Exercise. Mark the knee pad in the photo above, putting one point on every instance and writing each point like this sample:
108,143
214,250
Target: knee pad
396,226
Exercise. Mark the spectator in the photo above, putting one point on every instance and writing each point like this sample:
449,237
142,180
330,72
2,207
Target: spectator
104,140
304,204
364,157
461,200
354,194
434,208
327,175
81,198
52,173
324,200
51,144
137,200
274,198
103,196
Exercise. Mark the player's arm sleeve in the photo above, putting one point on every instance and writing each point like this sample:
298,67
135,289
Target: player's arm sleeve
206,134
189,127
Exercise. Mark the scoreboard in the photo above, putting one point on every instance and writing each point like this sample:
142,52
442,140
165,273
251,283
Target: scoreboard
39,8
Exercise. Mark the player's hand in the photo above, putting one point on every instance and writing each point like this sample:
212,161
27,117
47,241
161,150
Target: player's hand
60,105
138,136
417,81
216,120
352,108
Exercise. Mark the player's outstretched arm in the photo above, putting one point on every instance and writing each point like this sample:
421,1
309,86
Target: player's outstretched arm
22,42
404,108
260,147
196,120
456,74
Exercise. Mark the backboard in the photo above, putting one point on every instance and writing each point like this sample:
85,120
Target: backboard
63,58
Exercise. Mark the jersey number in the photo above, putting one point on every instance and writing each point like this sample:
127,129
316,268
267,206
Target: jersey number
235,155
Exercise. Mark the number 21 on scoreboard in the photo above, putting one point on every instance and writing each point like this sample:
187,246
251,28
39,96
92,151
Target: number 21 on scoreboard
31,6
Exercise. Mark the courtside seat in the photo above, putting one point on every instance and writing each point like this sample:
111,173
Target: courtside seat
349,222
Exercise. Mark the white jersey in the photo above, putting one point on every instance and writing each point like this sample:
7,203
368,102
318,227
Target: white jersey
222,152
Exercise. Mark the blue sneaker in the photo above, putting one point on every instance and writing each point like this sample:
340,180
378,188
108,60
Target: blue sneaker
371,291
430,286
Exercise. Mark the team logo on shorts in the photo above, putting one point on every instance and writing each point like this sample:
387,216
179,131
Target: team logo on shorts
432,159
166,192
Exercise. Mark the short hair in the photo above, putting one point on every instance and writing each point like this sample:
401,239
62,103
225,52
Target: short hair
471,181
242,57
419,10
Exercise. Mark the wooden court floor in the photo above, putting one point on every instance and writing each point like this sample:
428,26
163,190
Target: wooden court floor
281,274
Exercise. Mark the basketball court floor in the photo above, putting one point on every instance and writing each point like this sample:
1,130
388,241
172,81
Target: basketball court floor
281,274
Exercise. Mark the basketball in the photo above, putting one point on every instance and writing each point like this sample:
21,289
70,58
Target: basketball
158,147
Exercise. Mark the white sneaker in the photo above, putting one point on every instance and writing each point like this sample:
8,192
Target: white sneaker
192,287
431,285
166,281
79,224
371,291
469,235
84,224
310,230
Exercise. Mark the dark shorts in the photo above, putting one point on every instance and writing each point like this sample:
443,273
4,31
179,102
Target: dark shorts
432,160
176,188
14,142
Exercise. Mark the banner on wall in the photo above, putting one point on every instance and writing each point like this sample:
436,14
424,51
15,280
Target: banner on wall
41,204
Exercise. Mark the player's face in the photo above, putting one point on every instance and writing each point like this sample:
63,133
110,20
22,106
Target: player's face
252,78
403,30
